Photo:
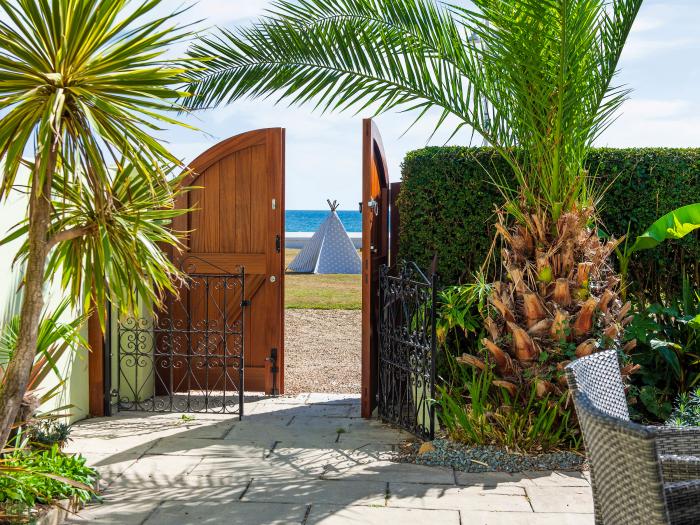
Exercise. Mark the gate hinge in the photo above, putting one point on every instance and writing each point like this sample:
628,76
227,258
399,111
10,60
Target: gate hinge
245,302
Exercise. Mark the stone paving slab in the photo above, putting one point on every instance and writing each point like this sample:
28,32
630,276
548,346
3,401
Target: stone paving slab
558,479
124,512
124,444
304,459
268,433
560,499
220,513
390,471
186,489
411,495
492,480
523,518
356,515
247,468
160,424
328,459
186,446
337,399
278,409
317,491
146,469
110,466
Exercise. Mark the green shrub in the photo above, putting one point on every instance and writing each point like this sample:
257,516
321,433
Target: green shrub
447,204
48,432
31,477
668,351
476,411
459,323
686,412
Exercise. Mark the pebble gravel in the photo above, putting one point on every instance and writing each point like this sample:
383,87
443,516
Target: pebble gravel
488,458
322,351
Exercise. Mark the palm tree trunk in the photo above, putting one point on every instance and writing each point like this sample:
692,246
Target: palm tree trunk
20,366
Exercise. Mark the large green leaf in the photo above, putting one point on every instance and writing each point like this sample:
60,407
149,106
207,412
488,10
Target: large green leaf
674,225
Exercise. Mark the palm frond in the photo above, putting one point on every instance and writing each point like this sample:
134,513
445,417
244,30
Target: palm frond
90,81
116,253
359,54
96,79
544,68
55,338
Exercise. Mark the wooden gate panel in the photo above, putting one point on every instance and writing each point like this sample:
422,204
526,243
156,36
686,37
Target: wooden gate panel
375,252
234,223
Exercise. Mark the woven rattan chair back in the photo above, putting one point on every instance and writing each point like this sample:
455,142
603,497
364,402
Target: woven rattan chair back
628,479
598,377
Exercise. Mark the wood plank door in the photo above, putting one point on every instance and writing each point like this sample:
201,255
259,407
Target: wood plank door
237,220
375,252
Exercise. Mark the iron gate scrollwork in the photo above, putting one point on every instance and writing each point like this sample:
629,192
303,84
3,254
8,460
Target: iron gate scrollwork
406,386
190,356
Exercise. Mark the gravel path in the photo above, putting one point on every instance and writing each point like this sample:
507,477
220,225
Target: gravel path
487,459
322,351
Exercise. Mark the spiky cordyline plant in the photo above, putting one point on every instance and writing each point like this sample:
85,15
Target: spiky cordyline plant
83,83
545,67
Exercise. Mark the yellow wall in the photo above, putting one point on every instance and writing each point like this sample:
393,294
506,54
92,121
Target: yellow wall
137,383
72,365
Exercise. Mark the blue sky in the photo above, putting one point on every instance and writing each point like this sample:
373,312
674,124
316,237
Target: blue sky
661,63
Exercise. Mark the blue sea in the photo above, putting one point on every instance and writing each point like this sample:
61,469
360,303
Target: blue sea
310,220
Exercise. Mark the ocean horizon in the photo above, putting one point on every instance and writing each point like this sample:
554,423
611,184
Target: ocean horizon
310,220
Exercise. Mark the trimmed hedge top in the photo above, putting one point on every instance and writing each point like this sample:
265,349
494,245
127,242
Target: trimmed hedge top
447,205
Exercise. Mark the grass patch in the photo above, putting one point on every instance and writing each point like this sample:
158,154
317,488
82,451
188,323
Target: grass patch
321,292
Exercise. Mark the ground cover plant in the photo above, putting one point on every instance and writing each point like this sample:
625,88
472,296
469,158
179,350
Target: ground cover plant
30,477
663,338
83,87
474,409
640,182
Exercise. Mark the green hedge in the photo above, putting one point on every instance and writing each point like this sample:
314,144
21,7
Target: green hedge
447,205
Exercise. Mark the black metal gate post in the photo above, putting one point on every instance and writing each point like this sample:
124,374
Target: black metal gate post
190,358
407,348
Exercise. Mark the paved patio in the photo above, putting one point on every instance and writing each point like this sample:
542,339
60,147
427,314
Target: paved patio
307,459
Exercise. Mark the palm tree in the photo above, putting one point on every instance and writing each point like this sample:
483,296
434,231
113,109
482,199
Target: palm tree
83,84
533,77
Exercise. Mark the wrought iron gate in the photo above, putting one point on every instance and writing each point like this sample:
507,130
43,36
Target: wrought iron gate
190,356
406,368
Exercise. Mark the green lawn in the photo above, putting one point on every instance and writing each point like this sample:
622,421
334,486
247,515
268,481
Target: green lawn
322,292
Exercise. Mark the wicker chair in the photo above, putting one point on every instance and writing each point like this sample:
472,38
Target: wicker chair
640,474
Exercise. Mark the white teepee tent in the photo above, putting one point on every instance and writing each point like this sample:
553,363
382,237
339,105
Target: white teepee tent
330,250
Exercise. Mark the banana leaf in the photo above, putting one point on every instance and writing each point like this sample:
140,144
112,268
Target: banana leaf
674,225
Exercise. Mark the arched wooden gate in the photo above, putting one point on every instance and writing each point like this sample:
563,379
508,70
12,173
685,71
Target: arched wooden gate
236,226
237,221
